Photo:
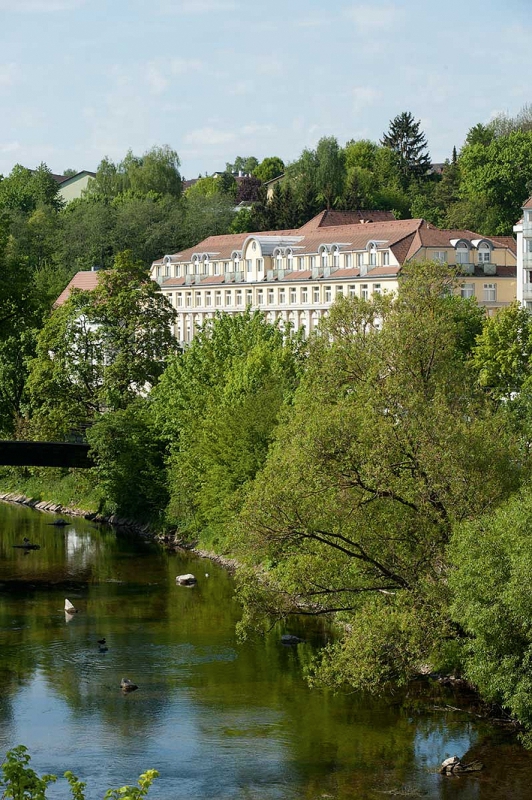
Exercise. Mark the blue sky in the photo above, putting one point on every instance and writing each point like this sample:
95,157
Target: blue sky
81,79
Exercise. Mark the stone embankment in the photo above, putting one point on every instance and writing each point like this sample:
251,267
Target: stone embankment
171,541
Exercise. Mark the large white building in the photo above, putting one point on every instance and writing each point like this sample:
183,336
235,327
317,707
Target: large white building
295,275
523,230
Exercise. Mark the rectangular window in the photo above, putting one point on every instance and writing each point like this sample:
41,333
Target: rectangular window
484,256
218,299
216,268
440,256
313,262
249,297
248,265
348,260
260,264
301,263
373,258
177,271
364,291
197,299
188,299
352,290
304,295
360,259
385,258
282,296
270,297
227,266
238,297
208,299
180,298
316,294
467,290
528,245
328,294
228,298
490,292
462,255
376,288
260,297
293,296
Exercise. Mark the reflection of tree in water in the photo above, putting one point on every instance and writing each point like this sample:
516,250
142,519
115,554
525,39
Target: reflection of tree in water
247,705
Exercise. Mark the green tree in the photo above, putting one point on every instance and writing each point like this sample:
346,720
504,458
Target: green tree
390,442
100,350
503,352
492,598
269,168
330,171
405,138
217,405
500,175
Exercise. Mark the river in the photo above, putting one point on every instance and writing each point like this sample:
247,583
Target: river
218,719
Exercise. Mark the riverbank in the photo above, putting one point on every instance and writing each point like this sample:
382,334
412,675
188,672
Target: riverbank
147,531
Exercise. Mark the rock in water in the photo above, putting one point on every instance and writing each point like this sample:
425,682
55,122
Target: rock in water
128,686
69,608
289,639
453,766
186,580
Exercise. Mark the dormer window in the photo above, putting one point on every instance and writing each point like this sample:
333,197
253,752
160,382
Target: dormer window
484,253
336,258
373,257
462,253
324,258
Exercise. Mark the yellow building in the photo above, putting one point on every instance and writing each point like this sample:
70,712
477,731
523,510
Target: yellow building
295,275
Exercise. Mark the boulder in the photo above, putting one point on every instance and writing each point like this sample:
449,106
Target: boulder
69,608
454,766
128,686
289,639
186,580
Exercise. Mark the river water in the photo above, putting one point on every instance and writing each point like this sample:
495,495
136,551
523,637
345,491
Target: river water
218,719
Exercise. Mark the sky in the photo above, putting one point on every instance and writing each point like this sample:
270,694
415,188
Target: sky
84,79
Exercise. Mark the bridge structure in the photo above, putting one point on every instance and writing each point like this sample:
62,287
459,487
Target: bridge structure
45,454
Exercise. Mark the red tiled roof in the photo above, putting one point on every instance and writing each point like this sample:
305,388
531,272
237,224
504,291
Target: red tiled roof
86,280
528,203
332,218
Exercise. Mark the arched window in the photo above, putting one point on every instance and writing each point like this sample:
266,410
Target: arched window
324,258
462,253
484,253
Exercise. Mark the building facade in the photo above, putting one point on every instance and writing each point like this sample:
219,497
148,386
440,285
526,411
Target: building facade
295,275
523,231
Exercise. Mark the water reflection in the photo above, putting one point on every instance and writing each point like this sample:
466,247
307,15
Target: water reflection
218,719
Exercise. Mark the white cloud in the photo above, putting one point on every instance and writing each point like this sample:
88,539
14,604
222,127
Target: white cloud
159,73
364,96
372,18
7,74
202,6
9,147
209,137
40,5
155,79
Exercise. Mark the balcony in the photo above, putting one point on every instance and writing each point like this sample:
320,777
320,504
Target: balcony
527,291
527,260
489,268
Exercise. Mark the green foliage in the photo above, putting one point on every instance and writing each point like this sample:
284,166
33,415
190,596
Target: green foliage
389,443
218,404
404,138
156,171
19,781
100,350
492,601
269,168
129,456
503,351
